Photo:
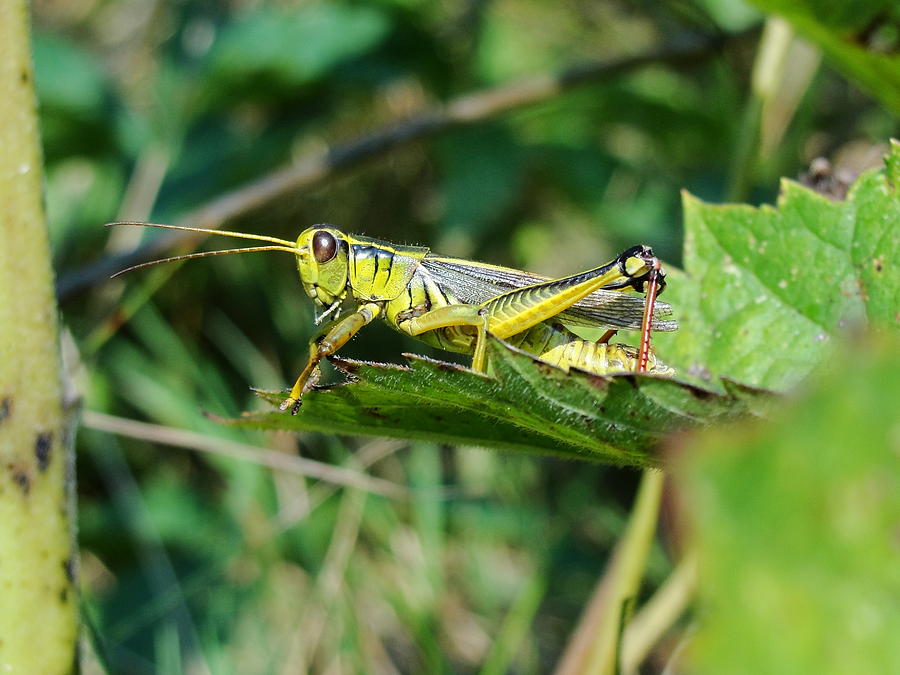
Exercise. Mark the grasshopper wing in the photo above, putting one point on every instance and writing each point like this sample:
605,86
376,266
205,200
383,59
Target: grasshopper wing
474,282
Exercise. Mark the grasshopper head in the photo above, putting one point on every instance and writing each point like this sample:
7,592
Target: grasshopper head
322,263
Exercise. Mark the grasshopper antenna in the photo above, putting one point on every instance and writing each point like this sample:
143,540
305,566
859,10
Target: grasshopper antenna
204,254
280,244
203,230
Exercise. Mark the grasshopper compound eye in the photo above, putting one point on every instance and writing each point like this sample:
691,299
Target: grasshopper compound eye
324,246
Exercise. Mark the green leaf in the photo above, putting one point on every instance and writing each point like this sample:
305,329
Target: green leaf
525,405
293,47
766,289
796,527
861,38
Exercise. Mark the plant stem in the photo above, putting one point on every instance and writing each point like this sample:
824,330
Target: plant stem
38,608
659,614
594,645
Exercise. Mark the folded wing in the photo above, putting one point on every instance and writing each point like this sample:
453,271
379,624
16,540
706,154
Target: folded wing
476,282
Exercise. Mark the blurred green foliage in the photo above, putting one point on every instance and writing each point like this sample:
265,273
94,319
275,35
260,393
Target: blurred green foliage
796,525
151,109
862,39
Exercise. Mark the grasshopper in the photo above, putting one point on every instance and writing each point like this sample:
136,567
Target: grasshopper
453,304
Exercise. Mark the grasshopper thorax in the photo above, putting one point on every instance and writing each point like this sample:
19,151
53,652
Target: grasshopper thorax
322,261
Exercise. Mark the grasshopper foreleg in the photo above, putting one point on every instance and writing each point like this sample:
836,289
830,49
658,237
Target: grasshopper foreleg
333,340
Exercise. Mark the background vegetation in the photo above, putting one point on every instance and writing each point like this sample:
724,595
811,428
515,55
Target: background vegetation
154,110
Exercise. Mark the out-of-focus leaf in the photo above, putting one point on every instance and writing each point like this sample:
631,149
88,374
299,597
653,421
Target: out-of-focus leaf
861,38
525,405
521,37
733,15
796,525
80,194
67,77
292,47
766,289
181,519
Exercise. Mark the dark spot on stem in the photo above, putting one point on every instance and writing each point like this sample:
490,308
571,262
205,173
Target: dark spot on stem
23,76
5,407
69,568
43,444
21,479
64,595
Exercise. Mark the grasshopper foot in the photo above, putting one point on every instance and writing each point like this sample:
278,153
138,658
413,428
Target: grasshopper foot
301,386
292,403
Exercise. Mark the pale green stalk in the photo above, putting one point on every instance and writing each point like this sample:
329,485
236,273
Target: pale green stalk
38,617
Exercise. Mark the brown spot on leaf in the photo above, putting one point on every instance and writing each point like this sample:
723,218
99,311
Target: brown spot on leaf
546,368
878,263
43,445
